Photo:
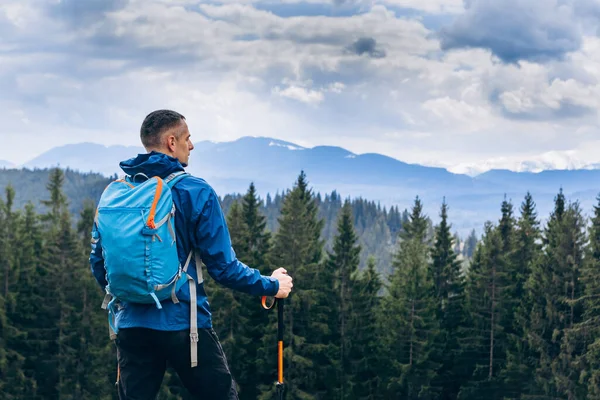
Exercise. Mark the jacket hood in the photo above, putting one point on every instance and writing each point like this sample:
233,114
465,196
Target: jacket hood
151,164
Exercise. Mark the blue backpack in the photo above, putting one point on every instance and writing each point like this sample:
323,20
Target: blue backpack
136,224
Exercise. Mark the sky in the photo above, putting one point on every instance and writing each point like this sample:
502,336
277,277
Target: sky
451,83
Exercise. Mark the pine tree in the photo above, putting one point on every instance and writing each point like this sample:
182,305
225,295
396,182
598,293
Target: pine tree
589,328
64,260
7,241
58,202
46,337
343,263
258,238
451,312
96,360
14,383
30,282
512,271
518,374
552,288
410,323
572,343
364,351
298,248
256,246
528,248
487,281
472,338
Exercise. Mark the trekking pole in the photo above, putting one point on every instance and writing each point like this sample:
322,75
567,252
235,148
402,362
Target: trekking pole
280,388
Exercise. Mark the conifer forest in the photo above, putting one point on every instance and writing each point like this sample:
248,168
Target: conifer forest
386,304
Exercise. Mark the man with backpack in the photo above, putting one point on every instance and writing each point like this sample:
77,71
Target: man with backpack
152,232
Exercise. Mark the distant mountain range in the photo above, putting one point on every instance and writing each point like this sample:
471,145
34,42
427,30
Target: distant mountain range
273,165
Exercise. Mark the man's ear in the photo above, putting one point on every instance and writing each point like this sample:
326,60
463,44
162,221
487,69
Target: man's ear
170,139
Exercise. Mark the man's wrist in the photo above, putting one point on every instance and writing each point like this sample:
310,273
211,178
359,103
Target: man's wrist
275,286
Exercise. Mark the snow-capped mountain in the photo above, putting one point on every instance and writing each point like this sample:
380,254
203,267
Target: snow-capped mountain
552,160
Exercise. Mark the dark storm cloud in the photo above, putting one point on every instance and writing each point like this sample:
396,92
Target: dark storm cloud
366,45
516,30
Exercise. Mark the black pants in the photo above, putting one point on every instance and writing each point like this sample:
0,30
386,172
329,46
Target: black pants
143,355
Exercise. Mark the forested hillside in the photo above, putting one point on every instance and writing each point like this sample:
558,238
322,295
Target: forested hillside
30,186
377,227
521,322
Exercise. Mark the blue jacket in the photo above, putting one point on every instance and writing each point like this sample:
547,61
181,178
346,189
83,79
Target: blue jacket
199,224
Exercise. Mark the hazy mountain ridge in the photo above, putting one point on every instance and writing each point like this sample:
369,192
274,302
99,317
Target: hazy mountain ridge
84,157
273,165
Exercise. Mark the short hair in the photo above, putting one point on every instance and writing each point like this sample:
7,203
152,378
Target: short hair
155,124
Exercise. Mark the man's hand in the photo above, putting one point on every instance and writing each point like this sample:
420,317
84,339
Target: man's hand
285,283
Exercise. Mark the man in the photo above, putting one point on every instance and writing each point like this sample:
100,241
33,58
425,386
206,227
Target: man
148,337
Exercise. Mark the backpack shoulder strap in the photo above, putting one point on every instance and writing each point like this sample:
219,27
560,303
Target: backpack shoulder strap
175,177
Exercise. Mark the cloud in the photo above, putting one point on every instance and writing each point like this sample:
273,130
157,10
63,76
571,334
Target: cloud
336,87
368,46
516,30
467,117
560,99
536,92
300,94
374,79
